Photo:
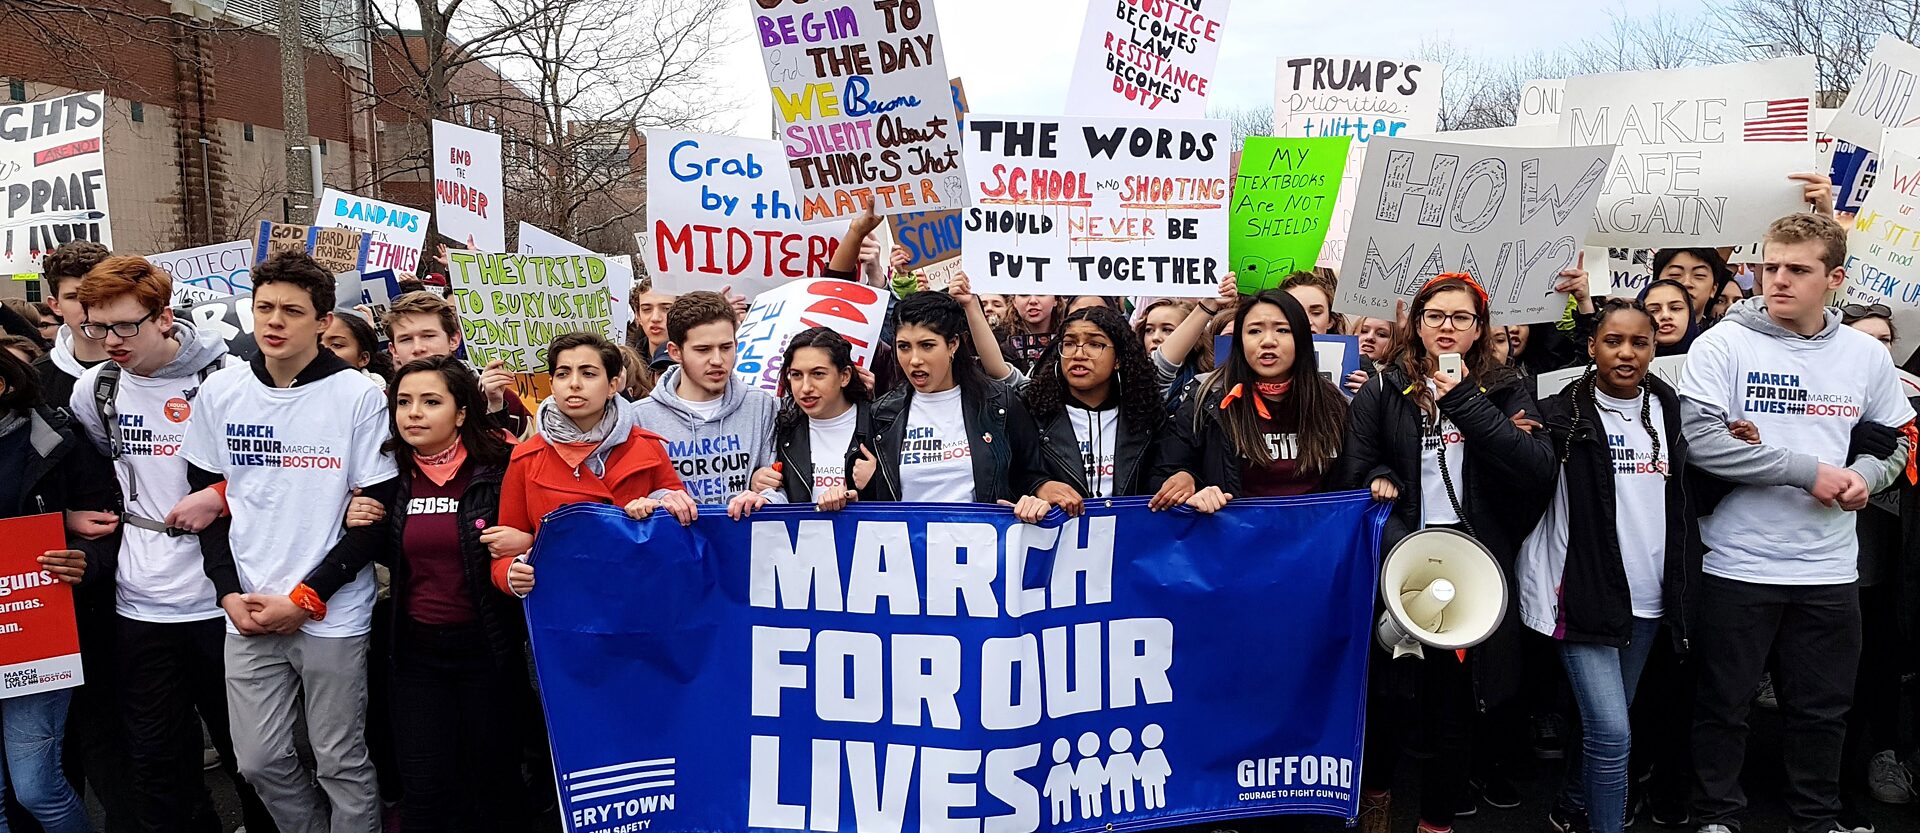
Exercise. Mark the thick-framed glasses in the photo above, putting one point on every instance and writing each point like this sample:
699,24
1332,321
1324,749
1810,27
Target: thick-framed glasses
1433,319
1090,348
123,329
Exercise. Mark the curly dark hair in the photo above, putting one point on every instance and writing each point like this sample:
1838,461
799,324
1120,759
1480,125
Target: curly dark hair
1134,381
303,272
71,261
695,309
379,362
839,352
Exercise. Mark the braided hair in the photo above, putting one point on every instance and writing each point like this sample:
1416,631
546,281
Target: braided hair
1583,391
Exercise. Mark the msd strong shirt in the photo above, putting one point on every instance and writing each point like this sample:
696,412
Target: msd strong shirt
292,457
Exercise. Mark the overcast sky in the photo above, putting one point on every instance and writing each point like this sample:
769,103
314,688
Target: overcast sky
1015,55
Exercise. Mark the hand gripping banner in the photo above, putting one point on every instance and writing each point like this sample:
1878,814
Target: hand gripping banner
920,667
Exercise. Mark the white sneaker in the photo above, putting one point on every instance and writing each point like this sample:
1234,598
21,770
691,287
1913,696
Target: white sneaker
1714,828
1888,780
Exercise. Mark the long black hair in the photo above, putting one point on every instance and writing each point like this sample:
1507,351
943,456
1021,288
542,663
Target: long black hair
1722,275
839,352
484,445
939,312
1693,315
1583,389
1134,384
1319,409
379,362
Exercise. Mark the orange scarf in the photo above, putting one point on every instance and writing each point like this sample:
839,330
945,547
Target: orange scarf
441,467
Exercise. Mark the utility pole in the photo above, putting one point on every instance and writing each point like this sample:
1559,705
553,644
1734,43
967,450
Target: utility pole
293,98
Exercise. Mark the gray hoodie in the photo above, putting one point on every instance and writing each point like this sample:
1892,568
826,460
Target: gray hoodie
197,350
716,457
1806,393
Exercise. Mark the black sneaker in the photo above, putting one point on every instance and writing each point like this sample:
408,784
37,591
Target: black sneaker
1549,737
1497,791
1567,821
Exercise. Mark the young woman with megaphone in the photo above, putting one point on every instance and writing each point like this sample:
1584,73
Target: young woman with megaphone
1607,564
1436,431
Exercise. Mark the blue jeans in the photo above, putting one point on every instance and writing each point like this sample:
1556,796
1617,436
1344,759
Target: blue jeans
32,727
1603,679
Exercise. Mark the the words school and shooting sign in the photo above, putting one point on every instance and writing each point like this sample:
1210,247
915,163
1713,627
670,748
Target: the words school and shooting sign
920,667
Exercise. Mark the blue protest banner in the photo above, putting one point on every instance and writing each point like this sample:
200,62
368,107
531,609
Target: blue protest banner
916,667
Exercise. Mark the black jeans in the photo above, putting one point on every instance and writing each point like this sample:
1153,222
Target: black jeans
1815,631
455,731
1434,694
172,678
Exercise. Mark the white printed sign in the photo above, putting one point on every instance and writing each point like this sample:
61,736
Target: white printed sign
1345,95
535,240
1513,218
1704,153
1883,96
398,233
54,174
206,272
1096,206
1620,273
855,311
1540,102
1146,59
468,190
1883,247
723,212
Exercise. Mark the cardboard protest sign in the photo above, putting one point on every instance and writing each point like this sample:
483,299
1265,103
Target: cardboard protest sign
39,640
1883,247
335,249
538,241
861,104
469,193
1283,197
855,311
723,213
1513,218
1146,59
940,273
1704,153
1540,102
1883,97
1096,206
1344,95
512,306
397,234
55,177
932,235
206,272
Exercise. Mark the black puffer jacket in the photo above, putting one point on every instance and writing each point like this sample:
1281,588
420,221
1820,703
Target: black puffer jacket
1006,445
793,449
500,615
1197,443
1503,487
1595,604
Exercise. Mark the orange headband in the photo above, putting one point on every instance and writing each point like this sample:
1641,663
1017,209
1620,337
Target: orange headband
1463,278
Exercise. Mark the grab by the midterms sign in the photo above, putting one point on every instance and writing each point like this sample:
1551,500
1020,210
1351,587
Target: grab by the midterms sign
917,667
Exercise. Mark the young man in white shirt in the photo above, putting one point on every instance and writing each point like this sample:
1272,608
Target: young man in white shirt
294,432
1781,551
169,672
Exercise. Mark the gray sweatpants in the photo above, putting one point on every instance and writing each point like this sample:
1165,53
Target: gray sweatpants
268,679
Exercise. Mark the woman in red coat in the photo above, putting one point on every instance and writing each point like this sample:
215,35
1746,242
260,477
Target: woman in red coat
589,449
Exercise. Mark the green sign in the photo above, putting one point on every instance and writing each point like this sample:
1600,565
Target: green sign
1283,200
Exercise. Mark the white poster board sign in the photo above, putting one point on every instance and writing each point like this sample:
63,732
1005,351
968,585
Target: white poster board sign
1882,97
855,311
1346,95
54,171
398,233
469,194
1146,59
1512,218
203,273
1704,153
1540,102
1066,205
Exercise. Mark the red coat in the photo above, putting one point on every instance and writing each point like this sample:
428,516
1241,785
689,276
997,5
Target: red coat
538,482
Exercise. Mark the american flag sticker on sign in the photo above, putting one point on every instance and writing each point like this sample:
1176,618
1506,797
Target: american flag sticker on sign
1786,120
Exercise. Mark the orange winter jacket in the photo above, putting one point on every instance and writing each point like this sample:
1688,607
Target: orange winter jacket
538,482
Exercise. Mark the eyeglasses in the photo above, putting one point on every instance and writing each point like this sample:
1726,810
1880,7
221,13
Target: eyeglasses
123,329
1091,348
1855,311
1433,319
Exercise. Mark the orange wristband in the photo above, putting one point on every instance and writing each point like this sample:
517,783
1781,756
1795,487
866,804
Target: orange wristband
309,601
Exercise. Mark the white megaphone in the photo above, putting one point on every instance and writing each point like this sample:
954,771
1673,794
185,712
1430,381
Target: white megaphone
1442,589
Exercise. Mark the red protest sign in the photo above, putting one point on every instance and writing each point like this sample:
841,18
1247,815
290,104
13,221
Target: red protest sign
39,645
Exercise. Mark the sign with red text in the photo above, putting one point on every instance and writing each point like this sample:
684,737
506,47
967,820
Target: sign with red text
1147,57
207,272
1096,206
724,213
1346,95
861,105
396,233
54,174
853,310
39,643
469,197
1703,153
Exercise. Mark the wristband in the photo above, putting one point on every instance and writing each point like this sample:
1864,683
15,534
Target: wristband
309,601
1208,310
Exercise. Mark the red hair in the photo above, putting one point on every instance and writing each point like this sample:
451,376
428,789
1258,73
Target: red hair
129,276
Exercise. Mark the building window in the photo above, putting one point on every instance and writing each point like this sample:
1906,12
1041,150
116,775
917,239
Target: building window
323,147
246,132
16,89
34,294
139,112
